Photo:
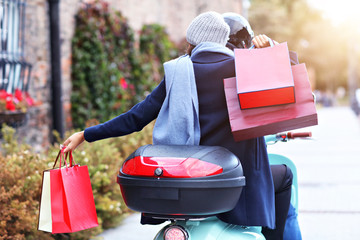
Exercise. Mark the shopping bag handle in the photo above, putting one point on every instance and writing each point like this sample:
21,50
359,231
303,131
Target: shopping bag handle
62,155
270,41
71,159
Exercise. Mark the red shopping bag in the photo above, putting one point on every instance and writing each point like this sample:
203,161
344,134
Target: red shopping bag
264,76
251,123
67,203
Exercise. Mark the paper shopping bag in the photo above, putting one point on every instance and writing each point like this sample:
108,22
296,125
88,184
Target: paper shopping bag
251,123
67,203
45,223
264,76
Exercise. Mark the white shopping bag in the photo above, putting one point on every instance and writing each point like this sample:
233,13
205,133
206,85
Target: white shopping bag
45,222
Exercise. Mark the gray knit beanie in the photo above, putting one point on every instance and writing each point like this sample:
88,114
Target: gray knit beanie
208,27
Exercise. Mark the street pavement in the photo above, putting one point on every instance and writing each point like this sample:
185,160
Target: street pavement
329,176
329,181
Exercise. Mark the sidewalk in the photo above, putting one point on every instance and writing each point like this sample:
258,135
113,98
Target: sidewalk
131,229
329,179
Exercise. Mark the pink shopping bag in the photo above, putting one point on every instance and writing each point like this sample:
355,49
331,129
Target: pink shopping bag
251,123
264,76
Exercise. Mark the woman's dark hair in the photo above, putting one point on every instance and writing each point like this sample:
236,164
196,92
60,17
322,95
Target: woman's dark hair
189,49
241,39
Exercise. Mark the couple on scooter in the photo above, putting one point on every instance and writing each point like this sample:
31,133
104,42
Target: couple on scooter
190,109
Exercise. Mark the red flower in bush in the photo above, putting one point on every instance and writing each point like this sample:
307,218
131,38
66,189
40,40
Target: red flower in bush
9,103
29,99
18,95
123,83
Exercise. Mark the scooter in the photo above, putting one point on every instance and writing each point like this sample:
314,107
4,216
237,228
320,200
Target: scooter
141,178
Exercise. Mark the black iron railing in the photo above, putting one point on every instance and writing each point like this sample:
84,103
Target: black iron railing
15,72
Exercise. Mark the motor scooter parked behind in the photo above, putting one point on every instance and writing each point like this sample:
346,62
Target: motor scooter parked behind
189,186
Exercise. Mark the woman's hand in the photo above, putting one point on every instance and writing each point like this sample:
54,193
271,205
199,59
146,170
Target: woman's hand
262,41
73,141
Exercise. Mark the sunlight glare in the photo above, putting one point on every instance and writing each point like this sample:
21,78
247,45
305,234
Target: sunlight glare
338,11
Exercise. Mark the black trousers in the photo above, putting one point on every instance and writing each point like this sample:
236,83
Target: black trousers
282,178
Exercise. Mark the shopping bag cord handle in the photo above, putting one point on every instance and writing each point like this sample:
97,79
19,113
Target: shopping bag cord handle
71,158
57,157
61,155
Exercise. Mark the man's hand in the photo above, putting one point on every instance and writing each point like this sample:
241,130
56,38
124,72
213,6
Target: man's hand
262,41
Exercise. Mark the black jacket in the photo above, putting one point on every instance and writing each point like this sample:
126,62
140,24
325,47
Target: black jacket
256,204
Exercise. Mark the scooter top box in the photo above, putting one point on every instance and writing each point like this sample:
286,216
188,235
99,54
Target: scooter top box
183,181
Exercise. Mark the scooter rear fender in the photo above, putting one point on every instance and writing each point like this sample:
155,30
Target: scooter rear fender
213,228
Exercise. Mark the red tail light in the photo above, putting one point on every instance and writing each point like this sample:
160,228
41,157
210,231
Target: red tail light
170,167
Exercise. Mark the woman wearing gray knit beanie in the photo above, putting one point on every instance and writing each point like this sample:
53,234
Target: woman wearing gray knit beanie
208,27
190,109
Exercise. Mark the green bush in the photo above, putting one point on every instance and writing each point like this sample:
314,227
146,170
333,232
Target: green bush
155,43
155,49
21,176
20,180
102,63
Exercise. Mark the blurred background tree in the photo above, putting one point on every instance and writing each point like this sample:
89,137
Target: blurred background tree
320,43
